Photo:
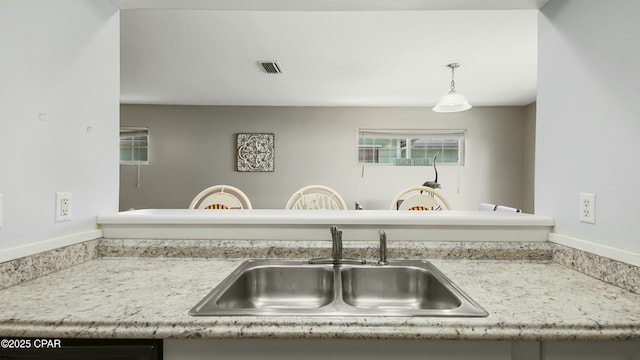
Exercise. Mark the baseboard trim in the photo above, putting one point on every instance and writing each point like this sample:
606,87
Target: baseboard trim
596,249
49,244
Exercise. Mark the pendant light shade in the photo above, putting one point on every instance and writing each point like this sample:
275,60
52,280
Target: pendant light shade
452,102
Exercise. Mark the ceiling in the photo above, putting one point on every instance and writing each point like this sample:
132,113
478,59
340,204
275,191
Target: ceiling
332,52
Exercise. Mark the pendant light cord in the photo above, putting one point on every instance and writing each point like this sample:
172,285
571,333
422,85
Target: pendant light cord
453,82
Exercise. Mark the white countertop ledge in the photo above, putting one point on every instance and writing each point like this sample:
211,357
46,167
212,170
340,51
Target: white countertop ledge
275,224
324,217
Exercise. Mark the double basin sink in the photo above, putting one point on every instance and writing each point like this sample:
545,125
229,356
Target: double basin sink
297,287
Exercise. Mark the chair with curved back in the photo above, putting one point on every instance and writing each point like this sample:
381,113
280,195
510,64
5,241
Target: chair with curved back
503,208
420,198
220,197
316,197
487,207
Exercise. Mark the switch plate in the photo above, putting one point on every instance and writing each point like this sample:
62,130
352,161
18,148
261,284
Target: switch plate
1,206
588,208
63,206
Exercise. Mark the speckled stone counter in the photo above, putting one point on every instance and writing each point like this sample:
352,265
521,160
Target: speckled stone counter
451,250
150,297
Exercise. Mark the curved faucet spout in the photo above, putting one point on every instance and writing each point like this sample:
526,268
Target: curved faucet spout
336,239
383,248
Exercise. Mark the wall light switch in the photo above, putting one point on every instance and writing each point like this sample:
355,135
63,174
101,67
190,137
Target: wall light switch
1,206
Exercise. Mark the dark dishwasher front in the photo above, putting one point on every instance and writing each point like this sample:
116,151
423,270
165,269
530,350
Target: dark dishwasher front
72,349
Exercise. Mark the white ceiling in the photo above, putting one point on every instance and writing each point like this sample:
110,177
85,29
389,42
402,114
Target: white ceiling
333,53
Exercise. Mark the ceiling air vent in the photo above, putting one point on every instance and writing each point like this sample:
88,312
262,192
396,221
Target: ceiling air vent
271,67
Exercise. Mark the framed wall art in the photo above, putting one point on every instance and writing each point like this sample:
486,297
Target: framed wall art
255,152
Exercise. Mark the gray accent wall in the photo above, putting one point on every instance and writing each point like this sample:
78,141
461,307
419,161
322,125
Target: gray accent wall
529,162
193,147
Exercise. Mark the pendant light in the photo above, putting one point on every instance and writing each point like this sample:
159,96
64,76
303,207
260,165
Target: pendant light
452,102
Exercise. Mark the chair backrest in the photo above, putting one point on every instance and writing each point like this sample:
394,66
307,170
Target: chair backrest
221,197
316,197
487,207
502,208
420,198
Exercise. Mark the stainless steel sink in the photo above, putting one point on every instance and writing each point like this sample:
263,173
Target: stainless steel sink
295,287
275,286
396,287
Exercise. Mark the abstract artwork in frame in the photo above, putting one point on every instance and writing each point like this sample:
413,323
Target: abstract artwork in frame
255,152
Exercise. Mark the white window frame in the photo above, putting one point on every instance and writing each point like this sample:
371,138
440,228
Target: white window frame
130,132
413,135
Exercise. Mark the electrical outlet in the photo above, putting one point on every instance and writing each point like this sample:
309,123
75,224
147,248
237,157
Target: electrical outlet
63,206
588,208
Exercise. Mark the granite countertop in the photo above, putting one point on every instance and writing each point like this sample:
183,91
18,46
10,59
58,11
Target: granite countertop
130,297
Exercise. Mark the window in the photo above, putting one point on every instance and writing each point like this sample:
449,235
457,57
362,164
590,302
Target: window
134,145
410,147
368,154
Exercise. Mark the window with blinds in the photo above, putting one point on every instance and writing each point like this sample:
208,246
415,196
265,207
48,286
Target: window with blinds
134,145
415,147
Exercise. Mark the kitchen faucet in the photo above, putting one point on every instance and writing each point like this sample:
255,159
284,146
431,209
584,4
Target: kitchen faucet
383,248
336,251
336,241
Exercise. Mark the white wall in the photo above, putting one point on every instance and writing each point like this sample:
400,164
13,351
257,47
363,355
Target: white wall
588,122
59,58
192,147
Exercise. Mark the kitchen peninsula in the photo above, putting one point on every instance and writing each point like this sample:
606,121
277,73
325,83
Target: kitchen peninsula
132,287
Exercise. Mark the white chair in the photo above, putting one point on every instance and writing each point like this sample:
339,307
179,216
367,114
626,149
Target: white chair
316,197
420,198
487,207
502,208
221,197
